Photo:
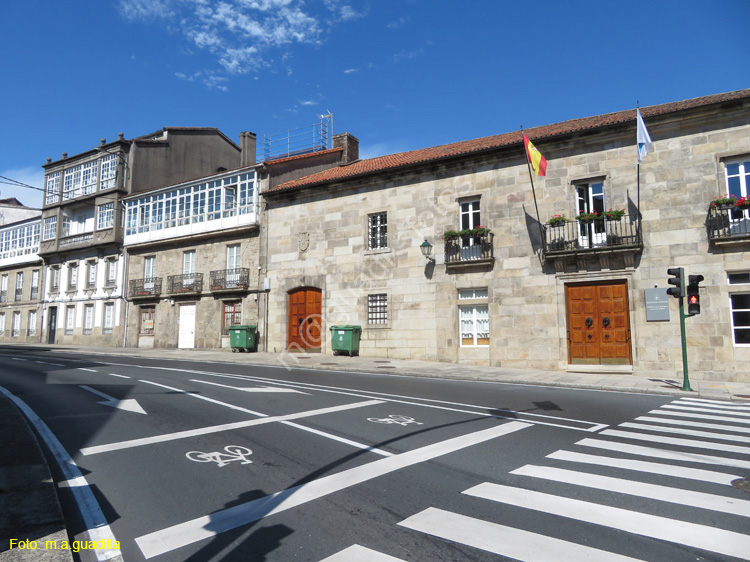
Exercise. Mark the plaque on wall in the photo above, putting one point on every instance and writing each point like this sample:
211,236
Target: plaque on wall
657,305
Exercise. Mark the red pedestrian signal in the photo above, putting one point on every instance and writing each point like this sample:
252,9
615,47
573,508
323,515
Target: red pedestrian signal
693,295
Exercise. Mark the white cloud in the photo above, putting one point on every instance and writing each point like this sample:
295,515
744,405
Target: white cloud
242,35
398,23
351,70
307,102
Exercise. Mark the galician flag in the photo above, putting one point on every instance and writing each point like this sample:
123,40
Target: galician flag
536,159
643,138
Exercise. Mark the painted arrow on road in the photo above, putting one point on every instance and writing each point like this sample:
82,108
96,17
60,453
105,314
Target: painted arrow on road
129,404
253,388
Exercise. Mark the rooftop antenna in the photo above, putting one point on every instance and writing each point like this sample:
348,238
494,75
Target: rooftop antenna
329,117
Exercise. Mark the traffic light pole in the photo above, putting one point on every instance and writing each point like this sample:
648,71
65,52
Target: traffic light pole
685,378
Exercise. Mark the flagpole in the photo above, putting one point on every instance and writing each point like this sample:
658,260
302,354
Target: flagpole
638,172
531,178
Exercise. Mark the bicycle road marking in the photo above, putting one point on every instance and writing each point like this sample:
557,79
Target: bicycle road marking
208,526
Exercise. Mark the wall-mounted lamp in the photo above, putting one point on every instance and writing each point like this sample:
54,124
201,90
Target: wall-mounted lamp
426,248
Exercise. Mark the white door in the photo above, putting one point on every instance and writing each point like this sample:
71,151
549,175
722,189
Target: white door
186,337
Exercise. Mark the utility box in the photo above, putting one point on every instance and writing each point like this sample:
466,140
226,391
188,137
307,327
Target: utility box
243,338
345,339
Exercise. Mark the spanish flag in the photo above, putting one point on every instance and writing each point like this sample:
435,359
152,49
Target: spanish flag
536,159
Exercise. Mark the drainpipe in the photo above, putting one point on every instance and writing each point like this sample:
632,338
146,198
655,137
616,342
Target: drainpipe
122,296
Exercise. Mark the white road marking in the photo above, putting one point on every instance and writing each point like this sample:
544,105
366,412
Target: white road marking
714,403
360,554
698,416
690,498
692,423
502,540
362,446
645,466
705,410
396,398
663,453
683,431
209,526
218,428
676,441
258,389
129,404
18,359
711,539
89,370
116,375
93,518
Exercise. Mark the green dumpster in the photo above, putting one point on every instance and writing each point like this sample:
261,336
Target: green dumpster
243,338
345,339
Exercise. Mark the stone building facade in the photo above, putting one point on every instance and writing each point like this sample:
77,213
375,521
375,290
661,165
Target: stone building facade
21,279
503,287
82,223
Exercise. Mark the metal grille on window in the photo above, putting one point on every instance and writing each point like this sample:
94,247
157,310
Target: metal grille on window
232,315
378,231
741,318
377,309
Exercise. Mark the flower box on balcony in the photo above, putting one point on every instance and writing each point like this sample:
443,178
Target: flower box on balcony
557,220
614,214
588,217
724,202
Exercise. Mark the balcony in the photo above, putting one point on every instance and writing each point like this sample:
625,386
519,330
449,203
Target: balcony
34,293
77,240
19,295
581,242
185,284
144,288
728,226
230,280
469,250
3,296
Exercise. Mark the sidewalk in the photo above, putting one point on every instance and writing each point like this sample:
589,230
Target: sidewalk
28,503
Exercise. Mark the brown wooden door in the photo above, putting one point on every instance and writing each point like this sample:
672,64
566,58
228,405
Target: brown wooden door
304,319
598,324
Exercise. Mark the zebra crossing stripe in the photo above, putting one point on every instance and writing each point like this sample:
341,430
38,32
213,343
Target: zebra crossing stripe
706,410
713,403
703,537
639,489
645,466
208,526
683,431
663,453
504,541
677,441
692,423
360,554
698,416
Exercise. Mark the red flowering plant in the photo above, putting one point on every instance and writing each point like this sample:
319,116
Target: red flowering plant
725,200
743,203
557,220
585,216
614,214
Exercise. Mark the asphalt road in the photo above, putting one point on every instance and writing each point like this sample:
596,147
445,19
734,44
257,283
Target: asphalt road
201,461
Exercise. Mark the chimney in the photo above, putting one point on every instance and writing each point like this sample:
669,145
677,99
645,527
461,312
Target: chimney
247,148
350,144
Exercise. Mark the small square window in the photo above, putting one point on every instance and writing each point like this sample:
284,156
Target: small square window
739,278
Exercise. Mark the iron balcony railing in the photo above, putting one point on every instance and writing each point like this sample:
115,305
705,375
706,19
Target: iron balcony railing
185,283
728,224
34,293
469,248
589,236
229,279
19,295
3,296
148,287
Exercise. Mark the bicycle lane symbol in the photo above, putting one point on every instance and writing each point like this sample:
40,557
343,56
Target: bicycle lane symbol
231,453
395,418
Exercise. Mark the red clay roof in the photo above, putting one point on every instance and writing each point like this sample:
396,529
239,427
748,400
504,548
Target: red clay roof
435,153
274,161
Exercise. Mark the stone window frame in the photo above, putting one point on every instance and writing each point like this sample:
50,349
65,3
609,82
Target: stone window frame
738,288
473,302
377,231
105,328
88,316
388,309
390,236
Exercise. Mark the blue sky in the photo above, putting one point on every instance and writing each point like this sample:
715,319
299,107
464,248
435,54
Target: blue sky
398,74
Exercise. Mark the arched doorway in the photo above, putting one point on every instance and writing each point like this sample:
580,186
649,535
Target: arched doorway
304,319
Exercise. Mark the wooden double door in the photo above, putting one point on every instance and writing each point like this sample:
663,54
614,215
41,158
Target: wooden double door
304,319
598,323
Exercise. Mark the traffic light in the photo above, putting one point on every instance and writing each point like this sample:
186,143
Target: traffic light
678,280
693,296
